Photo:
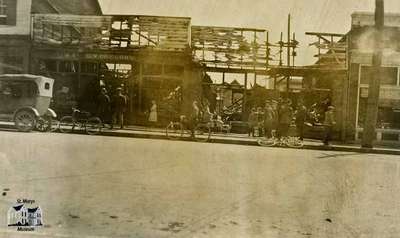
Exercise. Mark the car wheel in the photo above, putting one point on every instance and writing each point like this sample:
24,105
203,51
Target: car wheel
25,121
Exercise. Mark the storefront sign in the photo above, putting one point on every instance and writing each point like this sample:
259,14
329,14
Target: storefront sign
109,57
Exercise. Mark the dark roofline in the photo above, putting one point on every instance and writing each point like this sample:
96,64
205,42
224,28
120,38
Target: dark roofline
19,207
30,210
98,6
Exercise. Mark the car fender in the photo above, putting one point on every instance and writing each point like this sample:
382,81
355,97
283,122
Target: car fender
51,113
31,109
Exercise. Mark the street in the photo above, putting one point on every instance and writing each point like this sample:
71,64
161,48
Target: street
96,186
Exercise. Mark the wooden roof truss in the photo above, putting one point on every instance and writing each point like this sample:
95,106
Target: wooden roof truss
229,47
332,49
159,33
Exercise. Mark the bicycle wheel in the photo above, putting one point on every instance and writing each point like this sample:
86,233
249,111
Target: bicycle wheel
202,132
93,126
55,125
266,142
174,130
294,142
44,124
66,125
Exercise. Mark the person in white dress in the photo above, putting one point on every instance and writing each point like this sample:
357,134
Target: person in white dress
153,113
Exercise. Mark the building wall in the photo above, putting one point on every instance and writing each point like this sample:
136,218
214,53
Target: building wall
389,101
22,26
14,38
14,54
361,47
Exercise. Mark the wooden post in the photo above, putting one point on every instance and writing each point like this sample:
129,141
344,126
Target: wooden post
374,82
244,97
281,50
294,48
267,51
140,86
288,57
79,75
131,92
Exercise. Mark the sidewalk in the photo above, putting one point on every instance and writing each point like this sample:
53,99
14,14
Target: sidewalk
243,139
237,139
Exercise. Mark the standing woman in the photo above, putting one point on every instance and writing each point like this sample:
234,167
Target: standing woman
153,113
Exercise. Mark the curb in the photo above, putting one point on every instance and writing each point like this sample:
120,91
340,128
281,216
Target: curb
338,148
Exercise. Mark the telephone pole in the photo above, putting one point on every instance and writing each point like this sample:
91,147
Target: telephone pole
374,82
288,57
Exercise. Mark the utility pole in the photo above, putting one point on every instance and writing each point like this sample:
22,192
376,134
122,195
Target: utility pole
288,57
294,45
374,82
281,43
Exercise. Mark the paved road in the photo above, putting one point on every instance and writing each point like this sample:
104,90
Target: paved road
90,186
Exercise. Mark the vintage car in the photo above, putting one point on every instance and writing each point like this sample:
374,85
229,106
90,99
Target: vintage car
25,100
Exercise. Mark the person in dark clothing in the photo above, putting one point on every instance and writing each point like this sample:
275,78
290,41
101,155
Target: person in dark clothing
269,119
194,117
329,122
300,119
104,107
285,119
252,121
120,103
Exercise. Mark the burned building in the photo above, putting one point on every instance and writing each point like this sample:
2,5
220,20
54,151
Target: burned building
148,56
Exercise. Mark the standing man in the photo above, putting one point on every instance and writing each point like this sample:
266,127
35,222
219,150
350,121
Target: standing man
300,119
104,109
252,121
285,119
329,122
269,119
194,117
120,103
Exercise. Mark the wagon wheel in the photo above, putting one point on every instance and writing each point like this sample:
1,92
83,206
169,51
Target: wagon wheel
25,121
44,124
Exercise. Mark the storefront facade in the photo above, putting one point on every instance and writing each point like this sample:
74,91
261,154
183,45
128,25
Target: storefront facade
361,52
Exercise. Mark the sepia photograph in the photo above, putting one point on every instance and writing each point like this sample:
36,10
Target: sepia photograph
199,119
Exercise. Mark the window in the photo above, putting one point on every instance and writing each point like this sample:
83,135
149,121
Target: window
19,89
89,67
8,12
389,75
3,12
15,64
68,66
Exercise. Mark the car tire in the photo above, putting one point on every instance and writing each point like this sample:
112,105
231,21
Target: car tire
25,121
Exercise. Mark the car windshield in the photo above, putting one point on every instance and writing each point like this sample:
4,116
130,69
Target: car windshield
18,89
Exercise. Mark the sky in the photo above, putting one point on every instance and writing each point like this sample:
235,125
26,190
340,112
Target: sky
307,15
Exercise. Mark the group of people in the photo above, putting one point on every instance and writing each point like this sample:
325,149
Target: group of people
279,115
112,109
276,116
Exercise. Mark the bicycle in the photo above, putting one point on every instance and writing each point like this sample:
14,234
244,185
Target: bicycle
217,125
180,129
82,120
287,141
